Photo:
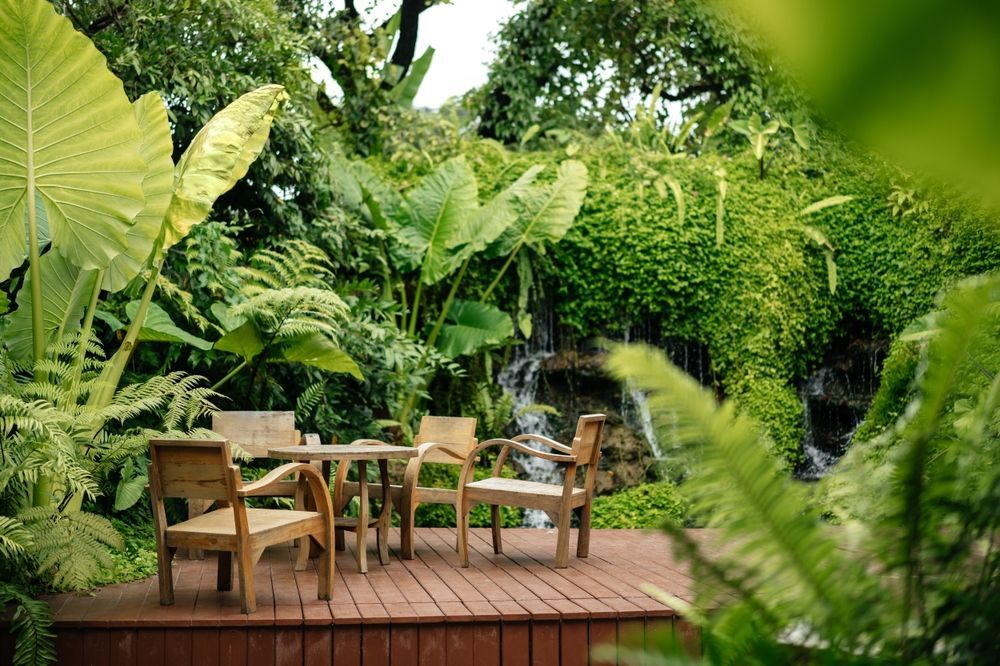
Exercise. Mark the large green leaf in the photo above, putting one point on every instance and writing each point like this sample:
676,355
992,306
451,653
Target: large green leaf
244,340
67,137
158,187
547,212
493,219
218,156
433,214
65,291
406,90
475,325
319,351
159,327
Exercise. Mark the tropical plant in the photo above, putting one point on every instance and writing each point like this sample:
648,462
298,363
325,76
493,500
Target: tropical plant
97,189
47,429
436,230
913,574
91,204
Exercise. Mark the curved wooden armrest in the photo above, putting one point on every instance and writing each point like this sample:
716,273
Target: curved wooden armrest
523,448
430,446
542,439
507,445
311,438
366,441
411,476
307,473
273,477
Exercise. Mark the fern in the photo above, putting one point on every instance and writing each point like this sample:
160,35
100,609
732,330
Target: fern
921,501
31,623
308,400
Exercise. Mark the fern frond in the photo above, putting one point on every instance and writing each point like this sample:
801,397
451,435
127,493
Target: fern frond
31,623
308,400
789,562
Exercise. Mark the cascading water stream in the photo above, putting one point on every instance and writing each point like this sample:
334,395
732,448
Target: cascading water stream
520,379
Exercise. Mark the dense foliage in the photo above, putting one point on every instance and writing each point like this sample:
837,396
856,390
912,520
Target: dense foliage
921,517
583,65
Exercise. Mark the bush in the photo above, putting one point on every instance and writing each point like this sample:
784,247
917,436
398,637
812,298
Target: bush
760,302
647,506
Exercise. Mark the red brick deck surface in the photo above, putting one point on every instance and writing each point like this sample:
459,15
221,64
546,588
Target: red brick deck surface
511,609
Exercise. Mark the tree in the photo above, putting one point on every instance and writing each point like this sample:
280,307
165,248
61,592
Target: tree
589,63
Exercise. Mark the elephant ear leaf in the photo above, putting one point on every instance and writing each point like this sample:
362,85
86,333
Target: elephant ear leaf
318,351
157,186
474,326
65,291
434,213
69,140
159,327
547,212
219,156
495,217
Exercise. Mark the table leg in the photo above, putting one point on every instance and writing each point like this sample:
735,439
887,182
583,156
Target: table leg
386,514
362,530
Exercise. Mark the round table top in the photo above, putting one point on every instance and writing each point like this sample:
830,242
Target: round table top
342,452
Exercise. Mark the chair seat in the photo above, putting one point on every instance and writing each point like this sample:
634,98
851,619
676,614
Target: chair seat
217,529
518,492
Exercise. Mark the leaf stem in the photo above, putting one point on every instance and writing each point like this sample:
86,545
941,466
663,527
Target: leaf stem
232,373
503,269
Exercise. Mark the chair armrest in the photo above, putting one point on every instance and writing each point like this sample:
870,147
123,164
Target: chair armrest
542,439
523,448
311,438
365,441
411,476
273,477
507,445
427,447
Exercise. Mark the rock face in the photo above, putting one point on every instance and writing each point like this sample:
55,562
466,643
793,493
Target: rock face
574,382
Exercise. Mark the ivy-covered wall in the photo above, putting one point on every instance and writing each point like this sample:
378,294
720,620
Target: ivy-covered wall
760,301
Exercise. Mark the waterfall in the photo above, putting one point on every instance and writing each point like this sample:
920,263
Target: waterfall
831,413
645,421
520,379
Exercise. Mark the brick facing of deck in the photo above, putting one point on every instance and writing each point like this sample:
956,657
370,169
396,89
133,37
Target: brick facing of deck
504,609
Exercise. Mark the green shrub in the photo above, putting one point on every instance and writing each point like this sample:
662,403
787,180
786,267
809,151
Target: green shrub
760,302
647,506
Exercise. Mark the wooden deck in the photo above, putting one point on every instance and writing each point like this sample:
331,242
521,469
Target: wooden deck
505,609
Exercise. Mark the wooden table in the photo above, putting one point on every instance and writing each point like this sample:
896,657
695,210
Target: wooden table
361,453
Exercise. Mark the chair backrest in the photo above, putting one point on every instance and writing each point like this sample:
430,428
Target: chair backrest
587,440
192,468
256,432
457,433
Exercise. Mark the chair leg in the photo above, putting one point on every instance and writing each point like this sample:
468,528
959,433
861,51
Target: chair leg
224,573
164,557
407,515
326,566
248,593
302,556
495,524
462,520
583,538
562,538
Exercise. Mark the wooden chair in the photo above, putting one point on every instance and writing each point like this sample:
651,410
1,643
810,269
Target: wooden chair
203,469
255,432
441,439
558,501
